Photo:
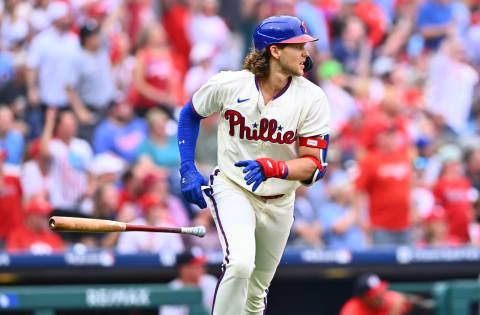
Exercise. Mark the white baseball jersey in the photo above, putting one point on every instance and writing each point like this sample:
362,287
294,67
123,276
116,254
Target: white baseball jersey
248,129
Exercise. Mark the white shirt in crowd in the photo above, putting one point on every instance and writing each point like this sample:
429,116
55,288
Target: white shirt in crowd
450,96
92,77
13,31
39,20
147,242
212,30
32,180
197,76
69,179
52,54
207,285
342,104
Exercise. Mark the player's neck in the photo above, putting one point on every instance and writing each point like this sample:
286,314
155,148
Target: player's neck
273,84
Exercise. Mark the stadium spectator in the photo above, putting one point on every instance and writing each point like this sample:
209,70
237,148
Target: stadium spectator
373,298
472,42
317,24
428,160
11,141
50,59
435,21
435,230
35,173
384,179
191,273
121,133
340,221
90,87
202,69
351,47
374,18
207,27
10,201
39,16
139,13
70,158
441,91
156,182
144,242
7,71
176,19
391,111
123,63
34,236
423,199
455,194
107,168
307,228
159,146
333,84
105,207
12,82
156,81
472,170
14,24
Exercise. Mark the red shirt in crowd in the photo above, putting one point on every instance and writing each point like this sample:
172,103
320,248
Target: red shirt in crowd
355,306
376,120
385,177
10,204
452,193
160,72
176,20
23,239
374,18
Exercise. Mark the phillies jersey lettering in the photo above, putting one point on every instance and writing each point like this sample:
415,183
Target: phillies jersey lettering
265,131
249,128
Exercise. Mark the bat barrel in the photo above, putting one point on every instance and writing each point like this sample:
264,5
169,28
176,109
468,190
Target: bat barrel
69,224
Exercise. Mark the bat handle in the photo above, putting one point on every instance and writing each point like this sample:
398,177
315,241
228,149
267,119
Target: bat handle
195,230
204,187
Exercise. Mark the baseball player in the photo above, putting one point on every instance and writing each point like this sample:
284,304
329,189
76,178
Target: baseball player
272,136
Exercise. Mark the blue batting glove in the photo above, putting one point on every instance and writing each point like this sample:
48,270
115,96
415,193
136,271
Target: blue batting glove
191,182
254,173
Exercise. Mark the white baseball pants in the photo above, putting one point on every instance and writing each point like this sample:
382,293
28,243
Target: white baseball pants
253,232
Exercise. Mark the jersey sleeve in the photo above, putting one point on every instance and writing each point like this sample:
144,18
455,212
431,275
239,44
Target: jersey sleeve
208,99
316,117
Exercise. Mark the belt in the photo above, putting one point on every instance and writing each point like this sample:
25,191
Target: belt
273,197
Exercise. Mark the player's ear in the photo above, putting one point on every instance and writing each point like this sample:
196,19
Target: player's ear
275,50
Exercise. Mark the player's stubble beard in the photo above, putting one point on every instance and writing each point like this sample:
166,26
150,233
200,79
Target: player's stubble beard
290,67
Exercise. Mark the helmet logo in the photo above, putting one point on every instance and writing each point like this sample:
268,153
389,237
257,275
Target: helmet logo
305,26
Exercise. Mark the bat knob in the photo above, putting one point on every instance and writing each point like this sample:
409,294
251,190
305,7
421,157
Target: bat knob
199,231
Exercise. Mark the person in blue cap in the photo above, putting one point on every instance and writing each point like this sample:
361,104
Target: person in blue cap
272,137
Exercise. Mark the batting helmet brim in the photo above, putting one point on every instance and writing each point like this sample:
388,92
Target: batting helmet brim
305,38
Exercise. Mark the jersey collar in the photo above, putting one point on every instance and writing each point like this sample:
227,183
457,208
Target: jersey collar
282,91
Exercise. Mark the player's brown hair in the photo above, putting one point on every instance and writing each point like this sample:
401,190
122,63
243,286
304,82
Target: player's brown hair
257,62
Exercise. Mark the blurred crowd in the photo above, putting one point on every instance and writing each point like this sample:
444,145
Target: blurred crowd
90,92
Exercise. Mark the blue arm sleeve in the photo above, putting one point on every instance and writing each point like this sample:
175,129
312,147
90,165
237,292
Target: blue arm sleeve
188,127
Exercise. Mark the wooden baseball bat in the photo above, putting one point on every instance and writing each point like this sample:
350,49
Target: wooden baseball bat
71,224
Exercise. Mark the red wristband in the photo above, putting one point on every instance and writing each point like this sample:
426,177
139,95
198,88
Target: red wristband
272,168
